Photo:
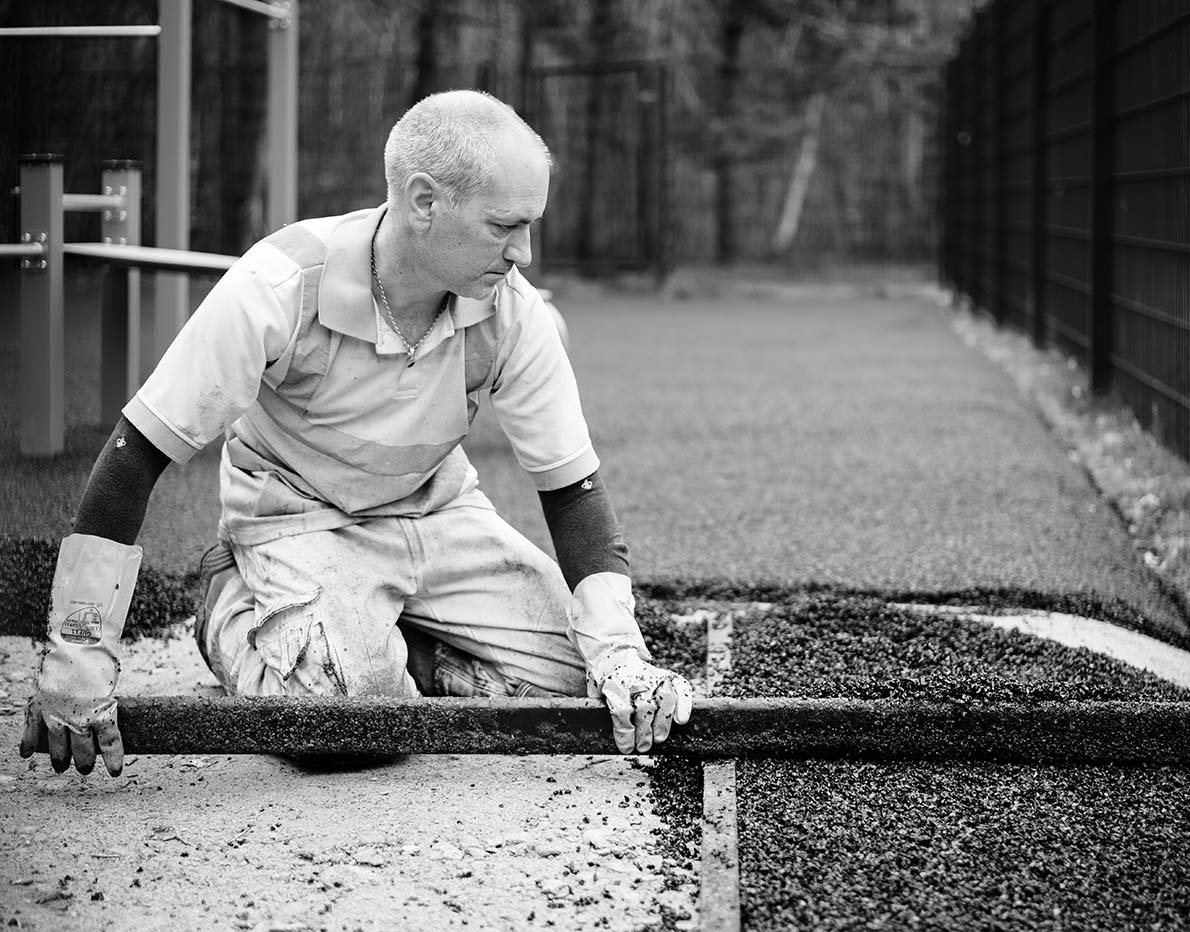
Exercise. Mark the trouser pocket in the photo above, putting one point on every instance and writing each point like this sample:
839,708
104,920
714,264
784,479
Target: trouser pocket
293,644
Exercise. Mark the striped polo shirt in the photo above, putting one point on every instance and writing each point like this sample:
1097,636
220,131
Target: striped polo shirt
326,423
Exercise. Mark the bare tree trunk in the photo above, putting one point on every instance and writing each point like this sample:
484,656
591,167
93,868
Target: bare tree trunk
799,179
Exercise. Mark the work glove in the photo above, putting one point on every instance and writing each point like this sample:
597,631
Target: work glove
75,705
644,700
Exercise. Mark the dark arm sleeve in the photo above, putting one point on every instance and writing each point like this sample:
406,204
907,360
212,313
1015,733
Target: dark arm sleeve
117,493
585,530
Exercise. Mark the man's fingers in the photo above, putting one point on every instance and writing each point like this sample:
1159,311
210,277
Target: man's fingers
622,728
667,701
111,746
685,695
58,739
646,717
82,749
34,727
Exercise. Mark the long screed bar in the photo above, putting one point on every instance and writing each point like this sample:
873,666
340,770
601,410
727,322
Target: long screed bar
1032,732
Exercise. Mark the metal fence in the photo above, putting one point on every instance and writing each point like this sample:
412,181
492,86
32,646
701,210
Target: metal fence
1065,207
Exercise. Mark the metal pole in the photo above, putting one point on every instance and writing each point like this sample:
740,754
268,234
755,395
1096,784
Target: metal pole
283,117
121,296
86,32
43,426
172,292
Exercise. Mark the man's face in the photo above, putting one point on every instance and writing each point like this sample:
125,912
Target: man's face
478,241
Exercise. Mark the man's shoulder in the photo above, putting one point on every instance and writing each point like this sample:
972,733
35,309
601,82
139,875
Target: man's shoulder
306,242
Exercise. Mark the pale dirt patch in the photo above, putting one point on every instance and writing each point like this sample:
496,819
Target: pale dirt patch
436,842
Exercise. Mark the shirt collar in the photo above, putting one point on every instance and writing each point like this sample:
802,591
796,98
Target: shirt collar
345,293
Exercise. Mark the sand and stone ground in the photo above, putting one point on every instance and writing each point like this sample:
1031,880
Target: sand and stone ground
261,843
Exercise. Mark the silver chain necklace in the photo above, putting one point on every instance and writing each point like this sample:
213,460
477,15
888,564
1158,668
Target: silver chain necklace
410,348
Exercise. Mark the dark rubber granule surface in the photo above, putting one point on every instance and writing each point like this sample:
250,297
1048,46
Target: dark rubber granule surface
829,845
853,845
862,648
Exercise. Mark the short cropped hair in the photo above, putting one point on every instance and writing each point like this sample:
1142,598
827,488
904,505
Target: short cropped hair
449,136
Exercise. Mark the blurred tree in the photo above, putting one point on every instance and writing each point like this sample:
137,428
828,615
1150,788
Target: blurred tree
799,127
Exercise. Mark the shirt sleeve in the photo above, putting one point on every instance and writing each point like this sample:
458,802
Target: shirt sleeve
534,392
212,371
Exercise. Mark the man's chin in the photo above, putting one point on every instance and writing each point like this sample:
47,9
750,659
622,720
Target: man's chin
482,290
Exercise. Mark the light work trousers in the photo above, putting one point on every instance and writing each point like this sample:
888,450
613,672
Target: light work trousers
457,602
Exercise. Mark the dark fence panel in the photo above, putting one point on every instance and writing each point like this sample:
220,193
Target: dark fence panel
1066,201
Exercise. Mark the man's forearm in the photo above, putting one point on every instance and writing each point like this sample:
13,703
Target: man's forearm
122,479
585,530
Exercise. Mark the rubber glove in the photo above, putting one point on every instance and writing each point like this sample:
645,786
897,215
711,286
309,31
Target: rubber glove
75,703
644,700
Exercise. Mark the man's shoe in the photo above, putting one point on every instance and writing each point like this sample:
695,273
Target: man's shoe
214,569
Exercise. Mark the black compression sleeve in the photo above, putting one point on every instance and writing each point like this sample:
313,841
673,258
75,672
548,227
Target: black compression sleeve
117,493
585,531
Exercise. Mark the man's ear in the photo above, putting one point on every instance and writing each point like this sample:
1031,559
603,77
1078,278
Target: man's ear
421,195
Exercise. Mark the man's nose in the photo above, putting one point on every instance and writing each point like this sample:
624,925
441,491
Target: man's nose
519,248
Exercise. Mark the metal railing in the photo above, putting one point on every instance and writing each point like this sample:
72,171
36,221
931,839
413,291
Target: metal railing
42,251
1066,190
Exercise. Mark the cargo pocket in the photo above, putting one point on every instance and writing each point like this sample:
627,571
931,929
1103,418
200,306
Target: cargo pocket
292,643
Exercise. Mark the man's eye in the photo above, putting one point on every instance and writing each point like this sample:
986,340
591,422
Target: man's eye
504,227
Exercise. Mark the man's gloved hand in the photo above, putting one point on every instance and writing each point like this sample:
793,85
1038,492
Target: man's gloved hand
75,705
644,700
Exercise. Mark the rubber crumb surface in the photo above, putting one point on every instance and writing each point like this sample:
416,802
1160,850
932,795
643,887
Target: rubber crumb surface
863,648
843,845
831,845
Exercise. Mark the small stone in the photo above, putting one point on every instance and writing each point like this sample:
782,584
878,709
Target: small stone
554,889
370,856
445,851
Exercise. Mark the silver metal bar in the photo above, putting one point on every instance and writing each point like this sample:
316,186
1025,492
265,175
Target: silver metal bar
94,202
152,257
282,122
84,32
43,372
22,249
171,291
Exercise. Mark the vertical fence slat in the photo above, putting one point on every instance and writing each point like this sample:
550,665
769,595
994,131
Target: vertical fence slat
1102,145
1039,28
999,306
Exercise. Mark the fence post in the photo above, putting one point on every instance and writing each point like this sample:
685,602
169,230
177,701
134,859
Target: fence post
43,425
968,138
948,190
1102,145
171,294
282,127
996,18
1039,88
121,325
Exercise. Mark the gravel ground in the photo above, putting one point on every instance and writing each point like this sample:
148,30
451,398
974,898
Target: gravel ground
822,451
844,845
829,846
